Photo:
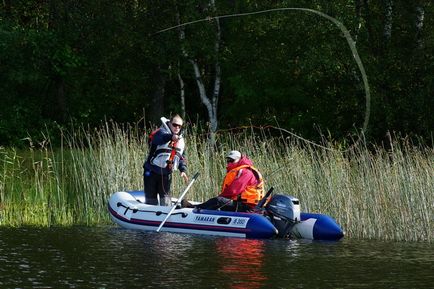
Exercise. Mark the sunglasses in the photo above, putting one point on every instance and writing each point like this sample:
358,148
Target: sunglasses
176,125
228,160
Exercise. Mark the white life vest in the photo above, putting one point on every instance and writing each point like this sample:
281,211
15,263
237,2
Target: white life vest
162,154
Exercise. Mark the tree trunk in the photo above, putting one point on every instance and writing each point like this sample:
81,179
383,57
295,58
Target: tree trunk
211,103
358,11
388,19
157,108
181,90
7,7
54,24
181,36
420,16
217,79
371,35
52,18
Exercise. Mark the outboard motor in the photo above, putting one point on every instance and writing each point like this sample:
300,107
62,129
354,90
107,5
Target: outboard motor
284,212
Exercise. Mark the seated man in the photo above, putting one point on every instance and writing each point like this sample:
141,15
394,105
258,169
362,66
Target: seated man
243,186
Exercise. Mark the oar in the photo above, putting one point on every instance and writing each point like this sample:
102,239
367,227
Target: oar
178,201
261,203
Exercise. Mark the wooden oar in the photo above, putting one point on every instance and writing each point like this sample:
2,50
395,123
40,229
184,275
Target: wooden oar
178,201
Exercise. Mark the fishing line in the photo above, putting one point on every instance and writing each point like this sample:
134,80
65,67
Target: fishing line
343,29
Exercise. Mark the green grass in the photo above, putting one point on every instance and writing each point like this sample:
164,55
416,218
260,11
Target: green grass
372,193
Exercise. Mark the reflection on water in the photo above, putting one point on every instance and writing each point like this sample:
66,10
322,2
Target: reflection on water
116,258
241,262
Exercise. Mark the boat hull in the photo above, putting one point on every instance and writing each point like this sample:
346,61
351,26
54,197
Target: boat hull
128,210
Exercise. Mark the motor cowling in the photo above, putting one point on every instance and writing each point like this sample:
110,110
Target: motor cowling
284,213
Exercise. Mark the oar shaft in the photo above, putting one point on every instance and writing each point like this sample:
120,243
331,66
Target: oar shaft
261,203
178,201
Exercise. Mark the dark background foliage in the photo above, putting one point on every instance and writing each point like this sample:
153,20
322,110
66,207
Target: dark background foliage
95,60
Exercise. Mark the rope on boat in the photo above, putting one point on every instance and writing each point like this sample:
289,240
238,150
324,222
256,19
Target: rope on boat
158,213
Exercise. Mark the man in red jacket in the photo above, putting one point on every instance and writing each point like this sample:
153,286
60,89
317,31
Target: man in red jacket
243,186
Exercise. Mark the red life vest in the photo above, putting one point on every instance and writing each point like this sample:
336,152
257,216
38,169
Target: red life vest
252,194
151,136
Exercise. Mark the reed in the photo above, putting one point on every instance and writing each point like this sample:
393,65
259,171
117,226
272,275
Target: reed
372,193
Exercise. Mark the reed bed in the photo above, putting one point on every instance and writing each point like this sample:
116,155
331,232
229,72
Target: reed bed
372,193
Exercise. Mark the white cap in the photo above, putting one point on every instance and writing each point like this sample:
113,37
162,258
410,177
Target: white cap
235,155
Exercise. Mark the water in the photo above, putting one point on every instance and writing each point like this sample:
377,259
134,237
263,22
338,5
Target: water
112,257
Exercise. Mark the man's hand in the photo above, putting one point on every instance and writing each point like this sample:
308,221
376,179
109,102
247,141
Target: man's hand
185,177
175,137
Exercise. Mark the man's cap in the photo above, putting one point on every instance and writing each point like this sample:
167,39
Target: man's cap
235,155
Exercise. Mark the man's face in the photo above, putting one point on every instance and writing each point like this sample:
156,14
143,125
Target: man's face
176,125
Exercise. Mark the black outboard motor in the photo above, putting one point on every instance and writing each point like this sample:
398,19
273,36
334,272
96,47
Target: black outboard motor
284,213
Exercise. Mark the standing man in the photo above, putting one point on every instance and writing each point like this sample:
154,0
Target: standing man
166,154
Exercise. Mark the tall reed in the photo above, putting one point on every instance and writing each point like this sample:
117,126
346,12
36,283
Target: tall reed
372,193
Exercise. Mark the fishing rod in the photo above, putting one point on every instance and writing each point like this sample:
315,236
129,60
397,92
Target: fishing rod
269,174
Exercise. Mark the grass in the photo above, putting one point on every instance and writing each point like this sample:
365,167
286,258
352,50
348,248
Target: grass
372,193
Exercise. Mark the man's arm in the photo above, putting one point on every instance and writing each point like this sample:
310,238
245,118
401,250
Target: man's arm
161,137
239,184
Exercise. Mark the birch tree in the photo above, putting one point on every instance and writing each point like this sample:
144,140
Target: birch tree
420,16
358,12
388,21
209,99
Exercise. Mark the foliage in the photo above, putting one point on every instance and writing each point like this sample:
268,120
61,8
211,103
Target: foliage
86,61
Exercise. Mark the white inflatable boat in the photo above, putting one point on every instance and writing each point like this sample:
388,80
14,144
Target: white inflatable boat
281,218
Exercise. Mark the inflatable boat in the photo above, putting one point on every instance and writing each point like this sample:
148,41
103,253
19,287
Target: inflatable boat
281,218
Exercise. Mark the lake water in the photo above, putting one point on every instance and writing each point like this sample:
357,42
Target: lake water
112,257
